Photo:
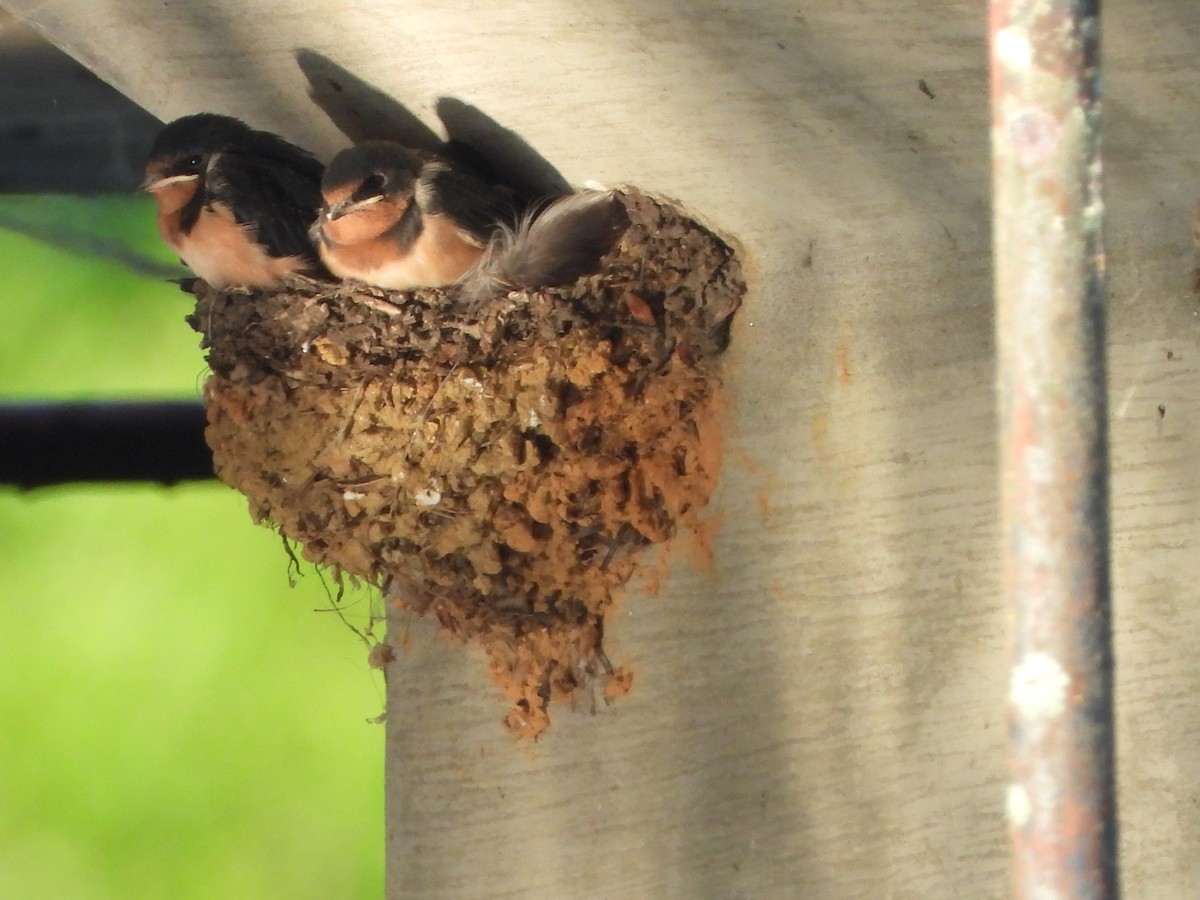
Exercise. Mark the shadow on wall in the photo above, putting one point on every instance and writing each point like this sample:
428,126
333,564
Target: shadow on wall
62,129
362,112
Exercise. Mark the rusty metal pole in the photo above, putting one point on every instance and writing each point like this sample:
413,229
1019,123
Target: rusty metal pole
1049,259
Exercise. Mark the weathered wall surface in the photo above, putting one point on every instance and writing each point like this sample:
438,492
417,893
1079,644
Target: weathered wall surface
821,714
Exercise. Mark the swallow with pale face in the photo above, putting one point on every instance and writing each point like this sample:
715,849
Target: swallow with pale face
399,219
236,204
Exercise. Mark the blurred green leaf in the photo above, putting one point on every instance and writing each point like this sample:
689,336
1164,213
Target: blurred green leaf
175,721
109,228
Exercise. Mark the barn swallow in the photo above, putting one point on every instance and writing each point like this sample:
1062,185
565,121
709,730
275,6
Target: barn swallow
236,204
400,219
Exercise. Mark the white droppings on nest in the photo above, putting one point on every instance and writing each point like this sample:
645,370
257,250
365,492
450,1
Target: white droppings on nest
350,496
533,420
427,497
1038,688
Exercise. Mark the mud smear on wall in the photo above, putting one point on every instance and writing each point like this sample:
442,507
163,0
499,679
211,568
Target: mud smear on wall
500,469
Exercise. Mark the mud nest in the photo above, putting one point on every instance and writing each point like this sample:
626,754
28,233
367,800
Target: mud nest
500,468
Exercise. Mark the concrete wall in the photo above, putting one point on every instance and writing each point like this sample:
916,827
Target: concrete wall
821,715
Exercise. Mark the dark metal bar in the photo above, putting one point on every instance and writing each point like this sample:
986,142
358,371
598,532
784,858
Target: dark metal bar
57,443
1049,258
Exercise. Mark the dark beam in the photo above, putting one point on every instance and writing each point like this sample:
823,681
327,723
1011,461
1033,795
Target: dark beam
57,443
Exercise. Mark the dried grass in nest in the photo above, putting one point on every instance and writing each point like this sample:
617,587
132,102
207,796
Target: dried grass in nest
500,469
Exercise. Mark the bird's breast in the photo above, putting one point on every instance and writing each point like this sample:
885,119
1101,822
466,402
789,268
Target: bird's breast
439,256
225,253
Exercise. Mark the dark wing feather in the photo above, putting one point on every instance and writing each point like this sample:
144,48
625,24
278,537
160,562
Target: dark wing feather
476,205
275,188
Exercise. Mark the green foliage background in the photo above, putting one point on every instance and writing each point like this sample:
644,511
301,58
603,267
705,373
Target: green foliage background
175,720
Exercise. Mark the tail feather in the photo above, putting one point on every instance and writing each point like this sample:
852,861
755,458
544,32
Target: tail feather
551,246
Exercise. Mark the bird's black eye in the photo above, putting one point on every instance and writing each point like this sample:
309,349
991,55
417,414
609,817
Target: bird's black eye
194,163
373,184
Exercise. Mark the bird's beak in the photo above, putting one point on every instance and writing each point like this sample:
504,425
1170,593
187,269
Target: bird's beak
158,182
348,206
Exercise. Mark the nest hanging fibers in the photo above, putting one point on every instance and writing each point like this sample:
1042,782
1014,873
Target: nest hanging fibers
501,468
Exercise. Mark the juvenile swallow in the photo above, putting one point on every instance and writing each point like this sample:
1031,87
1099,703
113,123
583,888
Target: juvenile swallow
400,220
236,204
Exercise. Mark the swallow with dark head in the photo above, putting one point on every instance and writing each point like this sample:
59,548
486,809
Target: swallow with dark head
236,204
402,219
